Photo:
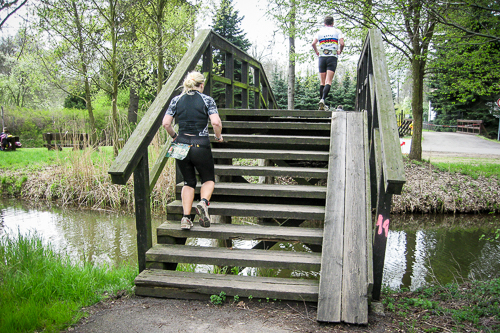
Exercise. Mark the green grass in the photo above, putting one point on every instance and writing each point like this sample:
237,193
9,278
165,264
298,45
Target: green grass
471,168
36,158
475,304
42,290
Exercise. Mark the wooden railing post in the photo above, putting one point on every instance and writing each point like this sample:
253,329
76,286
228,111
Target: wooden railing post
229,74
207,68
142,210
244,79
256,81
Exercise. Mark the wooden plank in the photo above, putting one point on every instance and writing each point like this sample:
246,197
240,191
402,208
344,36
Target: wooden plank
253,232
354,280
257,210
277,125
267,190
369,222
330,285
129,156
244,80
279,139
241,170
175,284
157,168
394,173
275,113
307,261
142,210
270,154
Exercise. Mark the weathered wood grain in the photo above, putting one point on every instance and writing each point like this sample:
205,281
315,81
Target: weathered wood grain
257,210
276,113
277,125
265,190
354,281
241,170
330,286
393,160
190,285
137,144
307,155
234,257
279,139
234,231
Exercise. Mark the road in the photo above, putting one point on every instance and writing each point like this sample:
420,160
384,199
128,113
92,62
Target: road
455,144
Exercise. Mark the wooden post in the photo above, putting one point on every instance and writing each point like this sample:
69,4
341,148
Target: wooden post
256,81
229,74
142,210
244,79
207,68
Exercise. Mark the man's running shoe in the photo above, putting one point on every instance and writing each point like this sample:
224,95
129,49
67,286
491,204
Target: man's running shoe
202,210
321,104
186,223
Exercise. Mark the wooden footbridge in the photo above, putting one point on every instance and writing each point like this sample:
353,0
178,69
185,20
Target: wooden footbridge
333,170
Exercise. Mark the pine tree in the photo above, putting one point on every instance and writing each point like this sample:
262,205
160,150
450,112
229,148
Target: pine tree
226,22
279,88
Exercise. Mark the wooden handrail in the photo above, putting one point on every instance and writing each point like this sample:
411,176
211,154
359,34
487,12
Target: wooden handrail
136,146
386,169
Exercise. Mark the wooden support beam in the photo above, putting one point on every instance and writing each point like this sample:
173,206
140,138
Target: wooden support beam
330,283
142,210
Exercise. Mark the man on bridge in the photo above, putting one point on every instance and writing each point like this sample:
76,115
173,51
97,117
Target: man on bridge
331,44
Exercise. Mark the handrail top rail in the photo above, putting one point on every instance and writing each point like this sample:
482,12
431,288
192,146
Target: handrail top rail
393,168
135,147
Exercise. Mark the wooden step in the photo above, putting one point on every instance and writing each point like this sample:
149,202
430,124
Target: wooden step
265,190
220,256
295,155
275,113
247,232
281,125
189,285
298,212
241,170
275,139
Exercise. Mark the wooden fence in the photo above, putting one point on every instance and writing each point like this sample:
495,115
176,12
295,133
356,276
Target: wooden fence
210,48
386,171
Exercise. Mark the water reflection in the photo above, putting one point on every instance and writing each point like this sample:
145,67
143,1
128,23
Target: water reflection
441,251
421,249
87,236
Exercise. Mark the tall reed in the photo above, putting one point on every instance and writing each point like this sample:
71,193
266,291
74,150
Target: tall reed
41,289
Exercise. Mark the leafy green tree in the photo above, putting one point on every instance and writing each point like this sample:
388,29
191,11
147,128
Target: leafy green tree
465,65
295,20
71,58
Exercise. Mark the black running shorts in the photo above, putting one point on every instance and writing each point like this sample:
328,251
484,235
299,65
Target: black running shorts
199,158
327,63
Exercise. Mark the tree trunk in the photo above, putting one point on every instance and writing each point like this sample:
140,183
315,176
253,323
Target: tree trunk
114,73
291,58
159,45
133,106
417,102
88,97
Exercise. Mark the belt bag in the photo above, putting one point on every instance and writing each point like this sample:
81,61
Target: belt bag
327,52
178,151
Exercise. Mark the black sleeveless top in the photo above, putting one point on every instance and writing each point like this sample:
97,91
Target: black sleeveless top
192,111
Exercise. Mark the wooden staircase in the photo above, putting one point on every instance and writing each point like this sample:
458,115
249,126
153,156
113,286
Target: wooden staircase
333,169
292,190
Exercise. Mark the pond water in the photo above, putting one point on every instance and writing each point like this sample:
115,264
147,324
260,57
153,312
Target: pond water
421,249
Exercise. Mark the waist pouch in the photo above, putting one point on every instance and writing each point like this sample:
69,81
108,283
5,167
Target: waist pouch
178,151
194,140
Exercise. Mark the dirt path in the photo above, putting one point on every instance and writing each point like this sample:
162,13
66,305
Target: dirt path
152,315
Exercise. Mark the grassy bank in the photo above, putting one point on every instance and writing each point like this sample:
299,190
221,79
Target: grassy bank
80,178
42,290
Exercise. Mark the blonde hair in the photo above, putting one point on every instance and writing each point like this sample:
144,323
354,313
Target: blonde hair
192,81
